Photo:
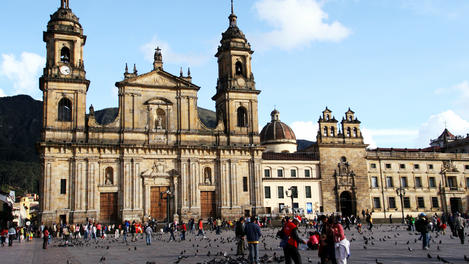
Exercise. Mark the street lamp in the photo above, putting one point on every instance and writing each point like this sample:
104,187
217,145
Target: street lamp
169,195
292,196
401,192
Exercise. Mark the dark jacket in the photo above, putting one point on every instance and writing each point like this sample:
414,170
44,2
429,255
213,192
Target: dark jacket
239,230
253,232
422,225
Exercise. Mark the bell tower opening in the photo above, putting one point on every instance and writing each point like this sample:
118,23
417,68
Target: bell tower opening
239,68
65,110
242,117
65,55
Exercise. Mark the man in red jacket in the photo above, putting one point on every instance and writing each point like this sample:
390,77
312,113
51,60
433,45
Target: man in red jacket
291,249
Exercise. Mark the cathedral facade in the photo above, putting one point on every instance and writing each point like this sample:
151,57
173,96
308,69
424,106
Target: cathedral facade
156,159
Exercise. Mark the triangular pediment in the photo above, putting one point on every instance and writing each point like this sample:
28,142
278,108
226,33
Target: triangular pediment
159,78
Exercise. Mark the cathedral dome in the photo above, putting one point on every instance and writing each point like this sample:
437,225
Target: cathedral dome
277,136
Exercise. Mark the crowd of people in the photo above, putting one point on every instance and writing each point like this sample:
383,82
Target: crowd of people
322,233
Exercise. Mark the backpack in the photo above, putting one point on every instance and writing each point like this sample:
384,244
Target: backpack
283,238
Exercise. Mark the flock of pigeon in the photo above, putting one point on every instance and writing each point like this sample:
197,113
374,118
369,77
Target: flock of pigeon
385,244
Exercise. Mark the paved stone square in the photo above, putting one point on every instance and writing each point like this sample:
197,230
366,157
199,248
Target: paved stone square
388,244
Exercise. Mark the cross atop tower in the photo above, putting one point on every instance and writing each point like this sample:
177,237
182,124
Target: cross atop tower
64,4
232,16
232,7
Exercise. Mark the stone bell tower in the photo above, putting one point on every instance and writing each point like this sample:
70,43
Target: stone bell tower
236,97
64,82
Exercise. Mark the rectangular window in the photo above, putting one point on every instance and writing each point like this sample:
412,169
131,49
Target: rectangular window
308,191
435,202
392,202
307,173
374,182
376,202
293,173
294,191
63,186
245,184
452,182
373,165
267,192
388,165
404,182
280,192
418,182
467,182
267,173
420,202
432,182
279,173
389,182
295,205
406,202
402,166
430,166
416,166
466,167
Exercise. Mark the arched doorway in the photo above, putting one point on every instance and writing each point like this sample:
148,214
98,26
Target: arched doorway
347,205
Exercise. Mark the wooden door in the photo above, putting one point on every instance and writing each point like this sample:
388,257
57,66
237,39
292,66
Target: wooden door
108,208
158,203
208,204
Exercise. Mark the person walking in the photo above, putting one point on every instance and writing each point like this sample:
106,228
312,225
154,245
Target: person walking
253,233
148,232
183,229
171,231
218,226
45,239
291,248
341,244
422,226
201,228
239,233
459,224
11,235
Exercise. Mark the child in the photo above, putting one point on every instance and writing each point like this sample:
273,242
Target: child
313,242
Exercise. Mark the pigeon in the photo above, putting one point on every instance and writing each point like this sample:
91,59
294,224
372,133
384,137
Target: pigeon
377,262
466,258
428,255
408,248
442,259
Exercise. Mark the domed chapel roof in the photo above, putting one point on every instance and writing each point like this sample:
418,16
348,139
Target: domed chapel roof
276,130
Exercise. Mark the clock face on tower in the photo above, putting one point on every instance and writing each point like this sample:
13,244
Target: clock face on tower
65,70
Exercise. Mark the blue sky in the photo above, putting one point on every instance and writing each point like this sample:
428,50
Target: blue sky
401,65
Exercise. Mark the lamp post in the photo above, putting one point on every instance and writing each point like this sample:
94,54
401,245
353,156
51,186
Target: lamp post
401,192
292,196
169,195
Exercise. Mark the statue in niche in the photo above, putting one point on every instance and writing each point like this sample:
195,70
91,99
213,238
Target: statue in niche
207,176
159,122
109,176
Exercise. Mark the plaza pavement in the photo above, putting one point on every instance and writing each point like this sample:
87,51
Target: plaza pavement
387,244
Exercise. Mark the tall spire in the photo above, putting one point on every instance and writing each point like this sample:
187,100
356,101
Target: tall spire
232,16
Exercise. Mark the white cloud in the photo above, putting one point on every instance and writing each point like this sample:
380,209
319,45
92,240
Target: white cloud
296,23
437,123
305,130
2,94
169,56
387,137
24,73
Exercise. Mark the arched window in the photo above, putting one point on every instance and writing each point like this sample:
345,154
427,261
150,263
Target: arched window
65,110
355,132
239,68
160,122
109,173
242,117
325,132
332,132
348,131
350,118
65,55
327,117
